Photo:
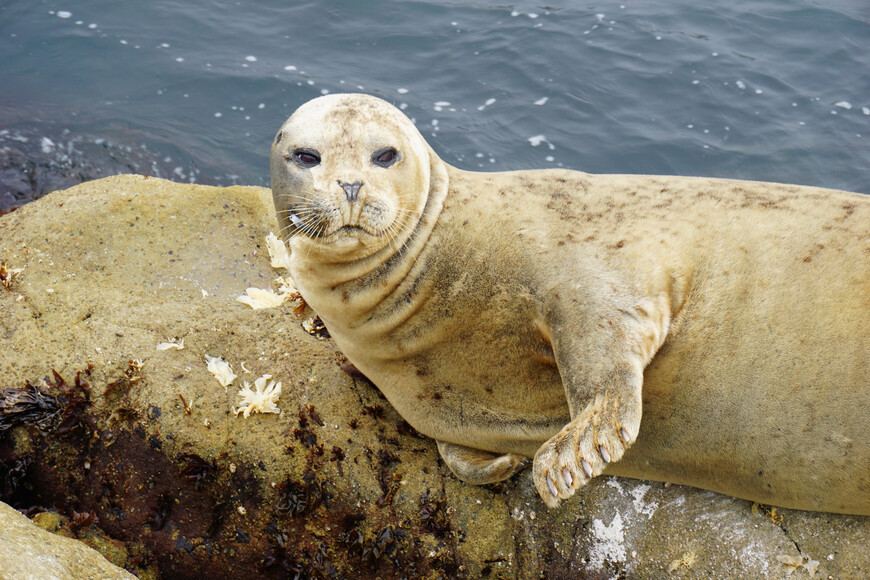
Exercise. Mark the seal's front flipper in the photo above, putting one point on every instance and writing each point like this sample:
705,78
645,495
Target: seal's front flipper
479,467
601,351
600,434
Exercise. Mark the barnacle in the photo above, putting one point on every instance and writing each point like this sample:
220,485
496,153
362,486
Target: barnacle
260,399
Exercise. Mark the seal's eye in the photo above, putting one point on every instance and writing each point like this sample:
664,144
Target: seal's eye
306,157
385,157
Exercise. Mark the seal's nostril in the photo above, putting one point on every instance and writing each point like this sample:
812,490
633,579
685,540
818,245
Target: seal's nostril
351,190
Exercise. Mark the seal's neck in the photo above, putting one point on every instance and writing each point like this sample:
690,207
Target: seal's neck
346,291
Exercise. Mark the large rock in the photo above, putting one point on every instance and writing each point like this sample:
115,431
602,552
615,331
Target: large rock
337,485
28,552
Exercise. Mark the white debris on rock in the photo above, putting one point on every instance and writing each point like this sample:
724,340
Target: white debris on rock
609,543
287,288
258,298
641,507
277,251
168,345
262,398
221,370
792,563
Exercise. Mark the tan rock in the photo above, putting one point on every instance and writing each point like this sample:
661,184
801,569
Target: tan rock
336,483
28,552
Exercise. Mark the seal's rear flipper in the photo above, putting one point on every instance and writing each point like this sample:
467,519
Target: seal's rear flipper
479,467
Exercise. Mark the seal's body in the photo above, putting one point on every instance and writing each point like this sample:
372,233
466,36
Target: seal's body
709,332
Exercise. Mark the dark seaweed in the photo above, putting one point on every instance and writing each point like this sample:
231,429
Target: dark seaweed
30,405
297,499
13,474
197,469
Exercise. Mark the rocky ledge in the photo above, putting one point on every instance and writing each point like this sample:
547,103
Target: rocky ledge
138,450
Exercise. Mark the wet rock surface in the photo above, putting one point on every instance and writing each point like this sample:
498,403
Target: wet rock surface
36,160
95,419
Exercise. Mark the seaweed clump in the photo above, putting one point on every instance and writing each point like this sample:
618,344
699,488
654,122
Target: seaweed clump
34,405
30,405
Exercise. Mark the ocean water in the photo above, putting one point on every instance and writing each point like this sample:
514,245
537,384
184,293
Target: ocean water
775,90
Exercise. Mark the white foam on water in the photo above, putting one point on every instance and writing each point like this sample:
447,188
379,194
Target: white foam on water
843,105
741,85
289,67
542,101
488,102
64,14
865,110
536,140
402,91
251,58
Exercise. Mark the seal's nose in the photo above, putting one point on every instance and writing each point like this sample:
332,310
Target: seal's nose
351,190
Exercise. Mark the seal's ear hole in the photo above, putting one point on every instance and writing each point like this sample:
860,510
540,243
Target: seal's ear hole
306,157
385,157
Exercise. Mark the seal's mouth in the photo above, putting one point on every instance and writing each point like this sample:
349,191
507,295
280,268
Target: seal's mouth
327,225
348,230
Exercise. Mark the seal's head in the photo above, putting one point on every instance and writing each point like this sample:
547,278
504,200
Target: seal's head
350,173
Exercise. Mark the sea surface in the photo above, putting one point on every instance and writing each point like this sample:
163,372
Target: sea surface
194,91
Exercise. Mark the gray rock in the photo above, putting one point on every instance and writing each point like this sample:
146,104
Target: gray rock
336,484
28,552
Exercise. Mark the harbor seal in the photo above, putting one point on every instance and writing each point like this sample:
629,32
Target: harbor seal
708,332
